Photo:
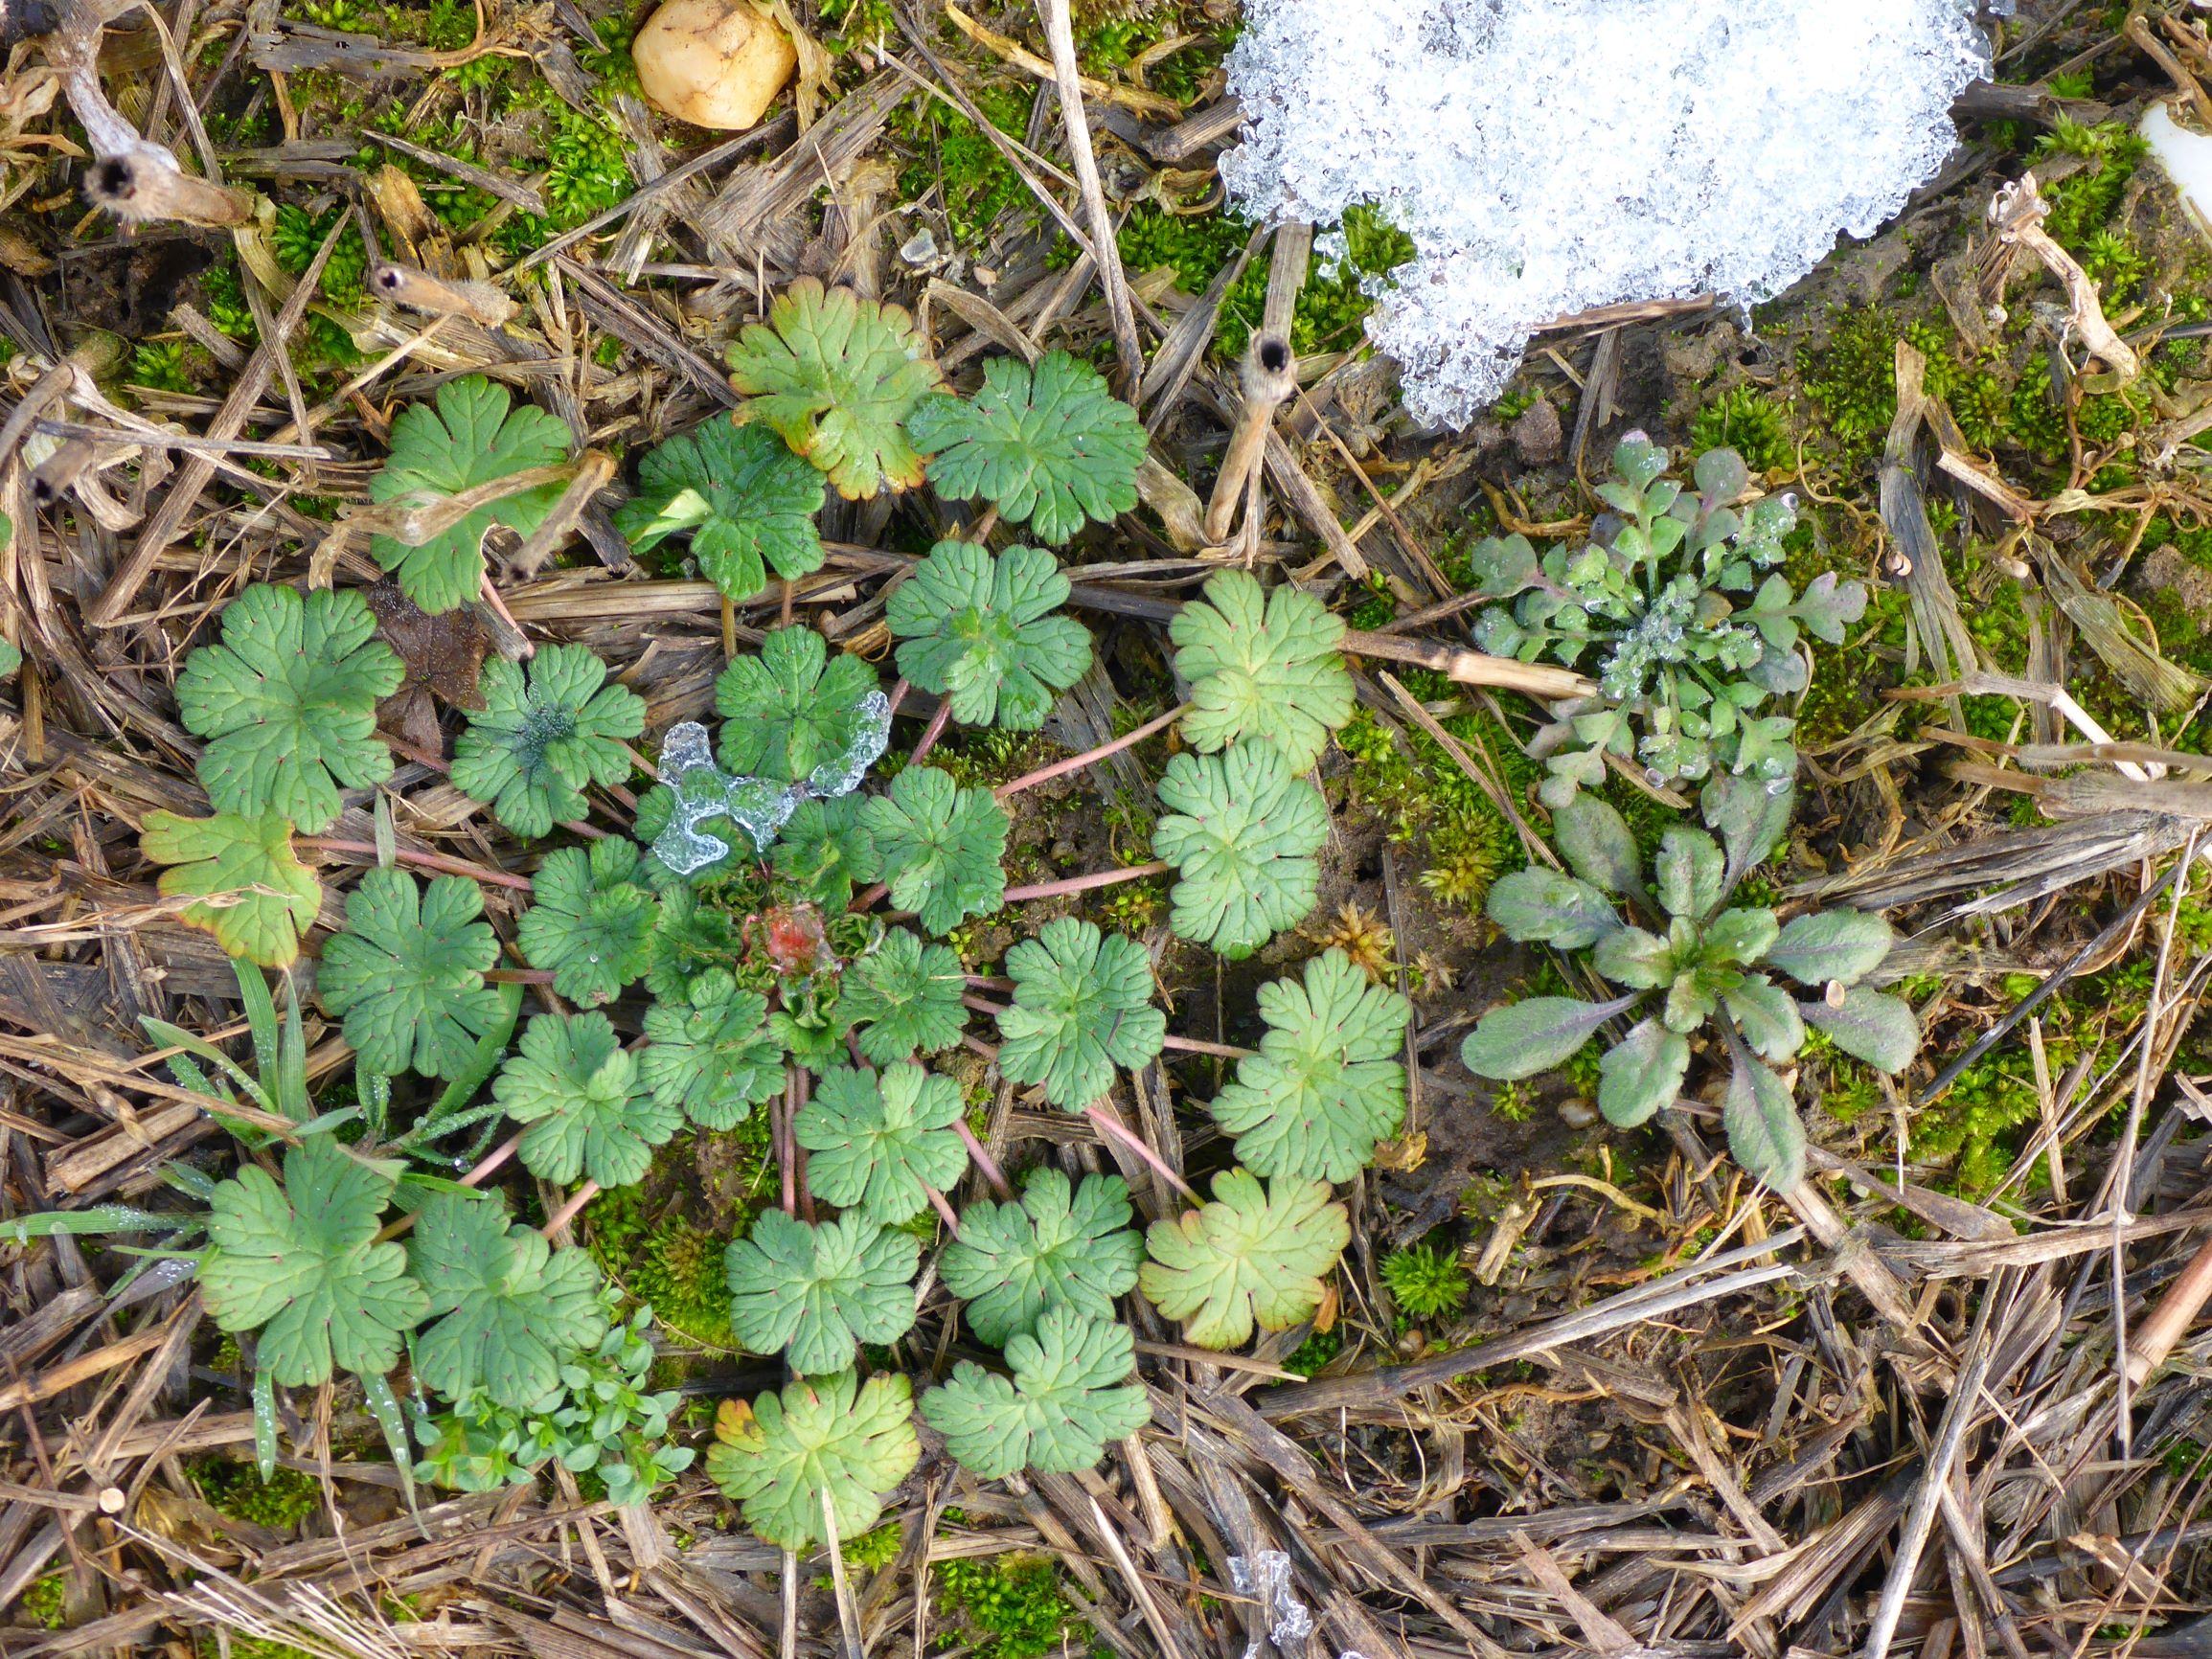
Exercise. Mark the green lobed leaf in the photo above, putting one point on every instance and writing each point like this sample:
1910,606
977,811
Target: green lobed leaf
1069,1396
1329,1080
514,1308
590,920
408,975
1642,1074
691,934
1869,1025
287,702
791,708
299,1263
1545,907
1081,1006
1261,664
710,1054
1764,1130
823,846
822,1435
469,439
1058,1246
747,503
1831,945
817,1291
1242,829
880,1143
1049,446
545,733
904,996
836,376
939,847
979,630
1255,1254
255,895
1533,1036
578,1091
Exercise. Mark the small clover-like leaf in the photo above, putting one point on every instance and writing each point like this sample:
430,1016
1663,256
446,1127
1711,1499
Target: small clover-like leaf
1049,446
1056,1246
1533,1036
745,499
407,974
543,733
879,1144
819,1291
1831,945
515,1309
710,1053
287,703
939,847
253,893
1329,1080
823,846
470,438
980,631
1241,829
1070,1394
1764,1130
299,1262
577,1090
791,711
904,996
1254,1254
822,1435
836,376
1081,1006
590,920
1261,664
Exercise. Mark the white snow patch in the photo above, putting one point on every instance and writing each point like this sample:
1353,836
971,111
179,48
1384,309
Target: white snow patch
1548,156
2187,158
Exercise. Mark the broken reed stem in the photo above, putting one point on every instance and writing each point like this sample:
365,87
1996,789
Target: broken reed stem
932,732
1090,757
1267,378
1115,1129
2158,1336
1084,884
1195,1046
569,1211
1105,251
437,861
980,1155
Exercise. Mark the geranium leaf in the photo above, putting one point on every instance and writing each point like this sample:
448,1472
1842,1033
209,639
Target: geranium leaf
792,715
837,377
905,995
710,1054
817,1291
1012,1260
287,702
1050,447
1261,664
543,733
469,439
299,1263
1839,944
879,1142
1069,1396
745,499
691,934
1081,1006
1763,1130
589,920
1329,1080
1642,1072
407,974
939,847
822,1435
515,1309
1545,907
255,895
1254,1254
1870,1025
823,846
980,631
577,1090
1241,829
1533,1036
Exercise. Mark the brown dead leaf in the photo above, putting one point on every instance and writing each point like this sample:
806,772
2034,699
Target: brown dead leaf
443,653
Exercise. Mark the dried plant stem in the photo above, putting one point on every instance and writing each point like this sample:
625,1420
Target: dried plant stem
1267,378
1085,883
437,861
1060,34
1196,1046
1090,757
2158,1335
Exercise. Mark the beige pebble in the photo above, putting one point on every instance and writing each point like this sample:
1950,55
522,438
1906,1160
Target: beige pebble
715,63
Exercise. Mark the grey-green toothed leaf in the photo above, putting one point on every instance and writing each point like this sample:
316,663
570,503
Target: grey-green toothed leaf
1533,1036
1871,1026
1543,907
1641,1074
1596,844
1840,945
1764,1130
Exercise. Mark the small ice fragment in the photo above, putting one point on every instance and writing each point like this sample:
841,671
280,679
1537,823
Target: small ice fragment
841,774
1270,1586
2187,158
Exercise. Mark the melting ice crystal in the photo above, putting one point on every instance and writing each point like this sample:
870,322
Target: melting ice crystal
759,807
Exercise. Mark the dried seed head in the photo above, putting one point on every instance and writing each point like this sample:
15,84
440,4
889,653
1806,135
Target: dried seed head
144,183
421,291
1269,373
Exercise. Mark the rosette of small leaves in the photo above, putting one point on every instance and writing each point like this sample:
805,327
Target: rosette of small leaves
980,631
287,702
823,846
510,1309
882,1144
938,846
545,733
823,1438
836,376
1329,1080
816,1292
1070,1394
790,709
747,503
710,1053
1706,965
474,437
1059,1245
1681,666
577,1090
1261,664
1081,1006
407,974
904,998
254,895
1255,1254
589,920
300,1264
1050,447
1241,829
